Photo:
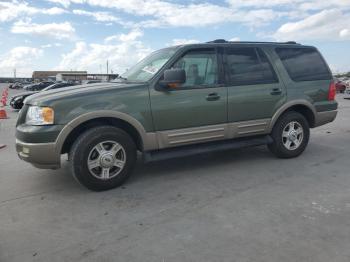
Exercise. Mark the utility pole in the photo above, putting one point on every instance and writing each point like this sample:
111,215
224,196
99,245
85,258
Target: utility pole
107,67
14,73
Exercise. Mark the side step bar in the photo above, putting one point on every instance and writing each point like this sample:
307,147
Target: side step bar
190,150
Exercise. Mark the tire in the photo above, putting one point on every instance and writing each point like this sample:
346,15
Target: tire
282,135
100,147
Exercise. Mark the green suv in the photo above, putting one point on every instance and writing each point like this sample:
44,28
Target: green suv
180,101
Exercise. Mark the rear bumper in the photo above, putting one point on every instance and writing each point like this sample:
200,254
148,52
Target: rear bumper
325,117
40,155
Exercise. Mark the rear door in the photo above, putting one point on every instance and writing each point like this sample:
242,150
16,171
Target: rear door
254,90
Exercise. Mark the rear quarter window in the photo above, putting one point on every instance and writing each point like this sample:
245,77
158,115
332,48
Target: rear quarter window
304,64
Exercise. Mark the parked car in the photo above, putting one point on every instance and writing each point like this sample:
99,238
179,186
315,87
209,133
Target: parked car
85,82
16,101
180,101
16,85
340,86
38,86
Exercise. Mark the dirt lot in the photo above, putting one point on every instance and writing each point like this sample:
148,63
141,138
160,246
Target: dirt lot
242,205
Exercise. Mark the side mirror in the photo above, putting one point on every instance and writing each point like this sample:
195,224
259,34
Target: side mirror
173,78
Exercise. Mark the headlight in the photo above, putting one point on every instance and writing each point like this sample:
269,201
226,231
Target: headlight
38,116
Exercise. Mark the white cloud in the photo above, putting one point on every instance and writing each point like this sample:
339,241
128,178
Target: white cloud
121,52
253,13
183,41
235,39
21,58
291,4
66,3
11,10
98,16
163,13
131,36
56,30
51,45
53,11
326,25
345,33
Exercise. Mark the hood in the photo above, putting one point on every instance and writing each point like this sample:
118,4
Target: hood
24,94
41,98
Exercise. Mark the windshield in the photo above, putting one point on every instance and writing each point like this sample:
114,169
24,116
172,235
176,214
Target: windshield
49,87
149,66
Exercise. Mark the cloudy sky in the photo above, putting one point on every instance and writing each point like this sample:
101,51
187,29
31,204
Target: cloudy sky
83,34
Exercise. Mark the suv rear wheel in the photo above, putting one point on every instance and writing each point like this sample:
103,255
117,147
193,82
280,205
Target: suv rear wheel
290,135
102,158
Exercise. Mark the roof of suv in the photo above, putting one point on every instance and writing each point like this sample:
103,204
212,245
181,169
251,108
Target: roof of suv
225,42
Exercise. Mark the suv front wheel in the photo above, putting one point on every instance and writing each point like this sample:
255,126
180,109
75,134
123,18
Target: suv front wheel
102,158
290,135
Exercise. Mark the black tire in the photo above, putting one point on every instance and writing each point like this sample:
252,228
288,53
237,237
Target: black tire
277,147
83,147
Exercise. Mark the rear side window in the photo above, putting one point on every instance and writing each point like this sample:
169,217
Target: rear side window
248,66
304,64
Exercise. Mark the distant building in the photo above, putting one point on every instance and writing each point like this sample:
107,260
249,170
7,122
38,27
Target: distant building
51,75
73,76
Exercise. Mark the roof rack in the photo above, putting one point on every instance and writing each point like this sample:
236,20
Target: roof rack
223,41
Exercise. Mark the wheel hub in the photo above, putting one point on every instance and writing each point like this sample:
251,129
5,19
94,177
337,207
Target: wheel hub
293,135
107,160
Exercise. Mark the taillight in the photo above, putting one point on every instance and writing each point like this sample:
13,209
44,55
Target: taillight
332,91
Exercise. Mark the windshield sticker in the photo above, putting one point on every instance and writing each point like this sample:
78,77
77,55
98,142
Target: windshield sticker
150,69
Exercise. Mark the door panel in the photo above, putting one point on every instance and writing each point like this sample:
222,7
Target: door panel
253,102
200,102
254,91
188,108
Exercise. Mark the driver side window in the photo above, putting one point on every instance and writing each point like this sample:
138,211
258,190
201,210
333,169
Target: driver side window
200,67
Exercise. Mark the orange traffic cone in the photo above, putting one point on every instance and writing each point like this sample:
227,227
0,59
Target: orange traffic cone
4,99
3,114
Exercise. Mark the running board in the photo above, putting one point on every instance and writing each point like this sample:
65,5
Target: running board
190,150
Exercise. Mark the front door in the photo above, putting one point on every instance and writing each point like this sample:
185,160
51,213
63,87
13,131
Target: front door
196,111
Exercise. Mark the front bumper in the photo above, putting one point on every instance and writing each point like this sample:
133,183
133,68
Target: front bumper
40,155
325,117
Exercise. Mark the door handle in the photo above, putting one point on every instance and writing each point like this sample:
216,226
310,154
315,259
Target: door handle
276,91
213,97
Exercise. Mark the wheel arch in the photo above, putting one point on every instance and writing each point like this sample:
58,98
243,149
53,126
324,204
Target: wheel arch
143,139
303,107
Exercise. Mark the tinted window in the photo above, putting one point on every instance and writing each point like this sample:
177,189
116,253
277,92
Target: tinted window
245,67
269,73
304,64
200,67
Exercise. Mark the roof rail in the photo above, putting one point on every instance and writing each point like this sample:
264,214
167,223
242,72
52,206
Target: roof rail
222,41
218,41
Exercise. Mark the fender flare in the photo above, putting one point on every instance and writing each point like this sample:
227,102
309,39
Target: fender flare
288,105
148,139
